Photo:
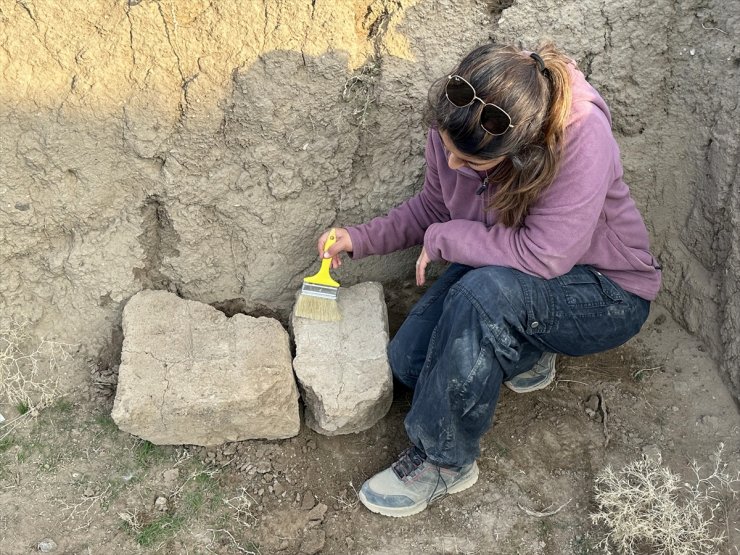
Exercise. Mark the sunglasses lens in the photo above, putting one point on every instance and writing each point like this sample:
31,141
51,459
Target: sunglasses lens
459,92
494,120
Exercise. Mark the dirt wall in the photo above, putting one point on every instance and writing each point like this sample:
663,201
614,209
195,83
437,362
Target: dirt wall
669,71
200,147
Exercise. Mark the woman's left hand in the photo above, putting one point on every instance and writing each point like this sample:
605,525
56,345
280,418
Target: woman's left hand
421,266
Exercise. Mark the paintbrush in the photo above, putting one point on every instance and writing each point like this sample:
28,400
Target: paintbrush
318,297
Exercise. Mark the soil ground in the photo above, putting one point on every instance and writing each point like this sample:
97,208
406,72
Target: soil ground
71,477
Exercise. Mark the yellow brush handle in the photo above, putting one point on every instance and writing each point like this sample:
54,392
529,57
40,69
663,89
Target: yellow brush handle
322,277
330,240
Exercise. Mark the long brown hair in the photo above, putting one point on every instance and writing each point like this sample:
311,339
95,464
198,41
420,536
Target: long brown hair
538,103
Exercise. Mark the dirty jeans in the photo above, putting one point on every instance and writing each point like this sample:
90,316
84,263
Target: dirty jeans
478,327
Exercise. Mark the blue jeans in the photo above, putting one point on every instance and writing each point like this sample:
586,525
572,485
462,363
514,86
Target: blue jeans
478,327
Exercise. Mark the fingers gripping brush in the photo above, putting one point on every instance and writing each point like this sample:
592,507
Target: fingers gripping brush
318,298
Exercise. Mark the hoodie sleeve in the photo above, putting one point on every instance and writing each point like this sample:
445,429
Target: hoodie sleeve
559,227
405,225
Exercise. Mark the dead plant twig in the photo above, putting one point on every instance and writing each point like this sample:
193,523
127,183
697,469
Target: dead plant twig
602,406
557,382
546,511
81,510
236,545
242,504
712,28
29,377
346,501
645,506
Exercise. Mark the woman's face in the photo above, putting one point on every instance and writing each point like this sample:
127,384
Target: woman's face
457,159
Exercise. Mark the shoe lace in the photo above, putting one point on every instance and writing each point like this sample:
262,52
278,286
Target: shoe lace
408,461
431,494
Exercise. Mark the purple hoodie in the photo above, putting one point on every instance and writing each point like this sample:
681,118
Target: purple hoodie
586,216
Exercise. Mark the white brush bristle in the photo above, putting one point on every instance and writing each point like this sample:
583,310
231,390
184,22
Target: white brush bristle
316,308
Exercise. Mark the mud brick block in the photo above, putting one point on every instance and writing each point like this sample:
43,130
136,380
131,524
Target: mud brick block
190,375
342,367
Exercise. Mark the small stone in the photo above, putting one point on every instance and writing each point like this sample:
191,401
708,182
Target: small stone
311,444
313,542
278,488
160,503
593,403
709,421
652,453
318,512
350,542
261,492
283,545
170,476
229,449
89,491
47,545
267,477
263,467
590,412
308,501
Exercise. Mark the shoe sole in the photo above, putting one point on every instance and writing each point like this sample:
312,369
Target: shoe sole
462,485
540,385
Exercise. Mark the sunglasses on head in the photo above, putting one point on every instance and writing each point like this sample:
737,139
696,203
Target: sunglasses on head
494,120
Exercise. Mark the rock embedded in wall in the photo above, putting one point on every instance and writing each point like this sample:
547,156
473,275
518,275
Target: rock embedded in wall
190,375
342,367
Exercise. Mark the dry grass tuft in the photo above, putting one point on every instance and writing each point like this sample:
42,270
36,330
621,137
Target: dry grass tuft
28,376
647,508
359,91
241,506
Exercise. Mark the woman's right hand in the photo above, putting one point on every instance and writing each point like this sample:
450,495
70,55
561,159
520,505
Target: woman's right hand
343,244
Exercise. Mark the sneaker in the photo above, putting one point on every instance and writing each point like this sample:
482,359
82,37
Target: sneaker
539,377
412,483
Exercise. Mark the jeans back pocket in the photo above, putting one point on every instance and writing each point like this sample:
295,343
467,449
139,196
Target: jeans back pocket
586,288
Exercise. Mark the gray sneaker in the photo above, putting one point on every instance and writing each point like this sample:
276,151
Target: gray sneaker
412,483
539,377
